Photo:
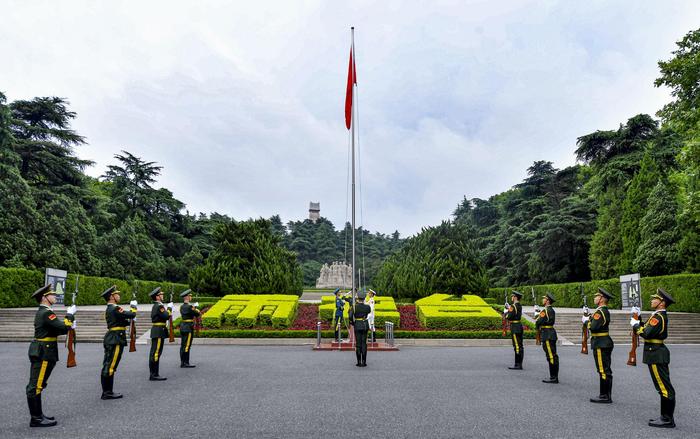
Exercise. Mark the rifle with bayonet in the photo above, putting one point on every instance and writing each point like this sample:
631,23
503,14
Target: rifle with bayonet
70,339
132,325
171,331
584,325
538,339
197,317
505,326
636,314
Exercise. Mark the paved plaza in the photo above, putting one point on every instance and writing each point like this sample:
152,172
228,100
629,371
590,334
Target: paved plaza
293,392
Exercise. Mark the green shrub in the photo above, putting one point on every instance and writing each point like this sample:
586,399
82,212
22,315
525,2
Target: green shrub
445,311
248,310
311,334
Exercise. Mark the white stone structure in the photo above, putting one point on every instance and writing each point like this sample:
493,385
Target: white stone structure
314,211
337,275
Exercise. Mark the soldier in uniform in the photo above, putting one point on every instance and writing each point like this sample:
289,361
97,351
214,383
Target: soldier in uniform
601,344
159,316
548,335
338,318
43,351
513,314
188,312
657,356
115,339
359,319
370,317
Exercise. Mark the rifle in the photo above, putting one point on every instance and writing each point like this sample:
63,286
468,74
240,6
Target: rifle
538,339
171,332
584,326
504,321
70,339
632,357
197,318
132,325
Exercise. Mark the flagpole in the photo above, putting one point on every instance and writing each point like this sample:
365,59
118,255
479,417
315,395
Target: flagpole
352,128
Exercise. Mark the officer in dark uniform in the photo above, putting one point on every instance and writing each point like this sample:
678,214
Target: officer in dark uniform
601,344
513,314
159,316
657,356
188,312
43,351
548,336
359,320
115,339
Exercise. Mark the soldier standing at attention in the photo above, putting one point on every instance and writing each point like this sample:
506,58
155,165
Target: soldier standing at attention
338,318
601,344
370,317
513,313
359,318
657,356
159,316
188,312
43,351
114,340
548,335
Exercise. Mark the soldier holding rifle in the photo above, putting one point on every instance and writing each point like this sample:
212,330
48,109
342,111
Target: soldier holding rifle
115,339
513,314
602,345
189,313
545,324
159,316
657,356
43,351
359,321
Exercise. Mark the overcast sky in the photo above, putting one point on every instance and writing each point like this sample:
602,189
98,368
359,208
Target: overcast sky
242,103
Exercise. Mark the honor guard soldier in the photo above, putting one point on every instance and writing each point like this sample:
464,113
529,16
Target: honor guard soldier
370,317
513,314
159,316
548,336
115,339
338,318
359,320
656,355
601,344
188,312
43,351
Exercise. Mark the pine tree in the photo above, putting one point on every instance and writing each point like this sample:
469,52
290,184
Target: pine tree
658,248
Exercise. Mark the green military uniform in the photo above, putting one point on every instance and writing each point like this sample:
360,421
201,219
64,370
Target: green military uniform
114,341
361,326
514,314
43,355
159,331
188,313
548,335
602,346
657,357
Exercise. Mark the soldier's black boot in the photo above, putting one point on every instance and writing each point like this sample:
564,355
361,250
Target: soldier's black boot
374,337
364,359
154,372
186,361
553,374
359,359
604,397
107,388
38,419
518,364
666,420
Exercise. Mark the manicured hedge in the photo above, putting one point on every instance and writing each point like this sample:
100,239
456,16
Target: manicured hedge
384,310
445,311
17,285
248,310
304,333
685,289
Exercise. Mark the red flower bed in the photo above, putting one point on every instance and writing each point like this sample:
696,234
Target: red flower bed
409,319
307,317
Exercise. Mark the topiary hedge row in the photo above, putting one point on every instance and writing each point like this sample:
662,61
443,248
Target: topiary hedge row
17,285
445,311
307,333
685,289
248,310
384,310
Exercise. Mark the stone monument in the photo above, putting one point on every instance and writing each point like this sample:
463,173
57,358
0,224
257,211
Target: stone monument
336,275
314,211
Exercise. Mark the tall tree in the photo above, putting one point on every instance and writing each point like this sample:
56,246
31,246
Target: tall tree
658,252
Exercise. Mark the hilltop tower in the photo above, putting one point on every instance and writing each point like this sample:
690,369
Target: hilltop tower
314,211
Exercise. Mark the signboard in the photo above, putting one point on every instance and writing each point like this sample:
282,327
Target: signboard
57,279
631,289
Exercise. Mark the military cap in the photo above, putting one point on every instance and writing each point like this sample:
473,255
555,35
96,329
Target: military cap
604,293
41,292
518,294
337,290
186,292
374,293
361,295
154,293
108,292
661,294
550,296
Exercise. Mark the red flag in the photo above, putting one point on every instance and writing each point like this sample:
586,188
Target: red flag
352,79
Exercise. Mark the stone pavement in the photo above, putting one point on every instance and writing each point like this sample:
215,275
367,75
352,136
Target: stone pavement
293,392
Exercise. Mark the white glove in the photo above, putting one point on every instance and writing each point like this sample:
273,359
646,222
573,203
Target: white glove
74,325
505,310
634,322
537,309
586,310
72,309
133,304
636,310
196,304
170,306
584,319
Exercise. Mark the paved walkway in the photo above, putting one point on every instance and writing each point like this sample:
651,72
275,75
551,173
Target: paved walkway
293,392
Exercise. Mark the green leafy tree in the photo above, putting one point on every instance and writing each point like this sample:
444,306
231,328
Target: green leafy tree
658,249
